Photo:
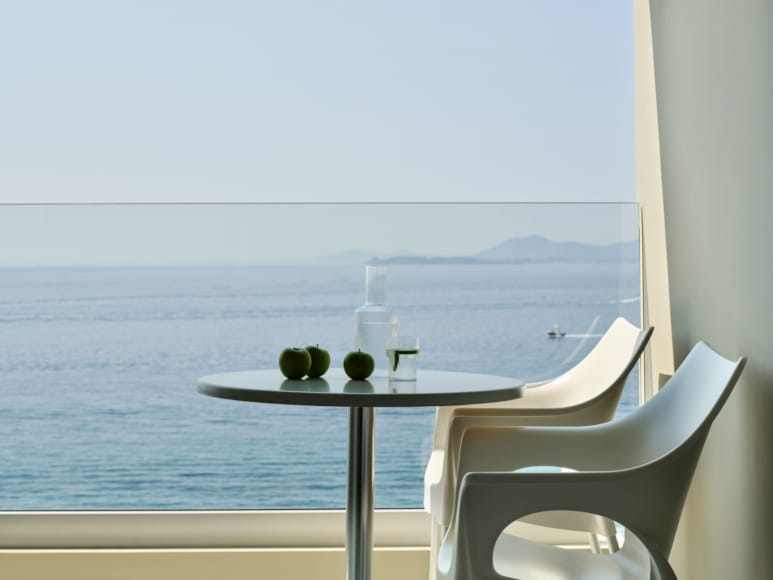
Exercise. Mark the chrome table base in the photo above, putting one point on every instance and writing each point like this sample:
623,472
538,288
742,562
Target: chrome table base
359,494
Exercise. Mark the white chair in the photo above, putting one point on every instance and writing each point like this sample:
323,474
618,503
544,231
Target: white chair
635,470
586,394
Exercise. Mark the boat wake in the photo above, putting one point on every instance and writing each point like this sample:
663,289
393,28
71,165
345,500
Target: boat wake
583,337
631,300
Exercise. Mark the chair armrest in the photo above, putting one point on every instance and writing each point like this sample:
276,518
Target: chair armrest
489,501
497,448
433,476
440,478
445,414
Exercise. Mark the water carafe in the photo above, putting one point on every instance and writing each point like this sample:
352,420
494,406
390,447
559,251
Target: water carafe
375,320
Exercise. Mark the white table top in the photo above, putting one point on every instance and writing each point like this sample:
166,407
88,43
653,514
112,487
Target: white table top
335,389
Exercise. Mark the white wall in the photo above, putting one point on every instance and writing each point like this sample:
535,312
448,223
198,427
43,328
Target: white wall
714,82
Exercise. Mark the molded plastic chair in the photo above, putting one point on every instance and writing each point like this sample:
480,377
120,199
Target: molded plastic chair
635,470
586,394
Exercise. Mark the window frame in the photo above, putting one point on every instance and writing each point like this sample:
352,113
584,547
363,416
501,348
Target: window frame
203,529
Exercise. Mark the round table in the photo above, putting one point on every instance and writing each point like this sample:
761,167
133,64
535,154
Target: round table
432,388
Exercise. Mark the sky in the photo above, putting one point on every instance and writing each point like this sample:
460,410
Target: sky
315,101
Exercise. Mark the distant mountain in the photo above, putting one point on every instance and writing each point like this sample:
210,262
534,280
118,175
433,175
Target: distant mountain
541,249
530,249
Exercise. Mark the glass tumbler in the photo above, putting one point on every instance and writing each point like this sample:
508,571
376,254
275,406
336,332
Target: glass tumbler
402,355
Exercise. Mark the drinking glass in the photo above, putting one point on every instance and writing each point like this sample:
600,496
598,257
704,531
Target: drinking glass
402,354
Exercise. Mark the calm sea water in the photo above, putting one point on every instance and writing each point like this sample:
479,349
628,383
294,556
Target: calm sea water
98,372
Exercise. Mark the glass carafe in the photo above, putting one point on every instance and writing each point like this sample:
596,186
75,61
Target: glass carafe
375,320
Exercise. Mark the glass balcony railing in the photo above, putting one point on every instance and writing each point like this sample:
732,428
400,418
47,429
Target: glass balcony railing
109,314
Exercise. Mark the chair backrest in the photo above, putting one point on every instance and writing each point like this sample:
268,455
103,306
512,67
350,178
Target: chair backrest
662,440
602,373
586,394
684,409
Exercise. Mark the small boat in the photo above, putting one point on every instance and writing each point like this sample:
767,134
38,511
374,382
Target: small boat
556,332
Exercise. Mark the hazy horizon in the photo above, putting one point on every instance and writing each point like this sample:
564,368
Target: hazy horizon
261,234
341,258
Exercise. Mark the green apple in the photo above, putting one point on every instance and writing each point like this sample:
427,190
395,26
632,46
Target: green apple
294,362
359,365
320,361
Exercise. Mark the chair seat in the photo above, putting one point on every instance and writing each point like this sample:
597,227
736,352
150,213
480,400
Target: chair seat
523,559
526,560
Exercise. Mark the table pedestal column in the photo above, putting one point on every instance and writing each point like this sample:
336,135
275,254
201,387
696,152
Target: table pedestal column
359,500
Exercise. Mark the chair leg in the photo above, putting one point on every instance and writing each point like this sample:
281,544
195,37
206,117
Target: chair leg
594,543
614,546
435,539
610,533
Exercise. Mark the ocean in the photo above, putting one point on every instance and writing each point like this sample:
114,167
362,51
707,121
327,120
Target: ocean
98,373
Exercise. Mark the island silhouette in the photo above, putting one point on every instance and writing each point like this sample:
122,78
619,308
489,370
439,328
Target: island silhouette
516,250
